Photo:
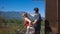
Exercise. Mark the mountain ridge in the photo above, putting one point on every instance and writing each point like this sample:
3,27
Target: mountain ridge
12,15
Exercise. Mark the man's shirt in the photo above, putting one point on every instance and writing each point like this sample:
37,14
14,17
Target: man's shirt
36,16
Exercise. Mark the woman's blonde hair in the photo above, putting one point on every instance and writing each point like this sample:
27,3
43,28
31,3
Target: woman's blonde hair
24,15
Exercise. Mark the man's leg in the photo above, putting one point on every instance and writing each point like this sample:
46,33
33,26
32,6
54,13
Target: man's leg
37,30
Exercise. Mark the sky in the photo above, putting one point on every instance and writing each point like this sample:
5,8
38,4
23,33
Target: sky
23,5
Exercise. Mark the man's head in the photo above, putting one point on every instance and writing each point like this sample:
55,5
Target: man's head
36,10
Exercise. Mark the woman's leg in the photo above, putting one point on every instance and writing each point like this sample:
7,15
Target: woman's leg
27,32
32,30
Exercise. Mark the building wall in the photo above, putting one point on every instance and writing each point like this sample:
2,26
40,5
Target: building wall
51,14
59,16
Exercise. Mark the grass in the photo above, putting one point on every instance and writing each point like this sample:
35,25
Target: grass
42,27
10,28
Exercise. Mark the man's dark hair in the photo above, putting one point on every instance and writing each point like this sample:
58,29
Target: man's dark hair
36,9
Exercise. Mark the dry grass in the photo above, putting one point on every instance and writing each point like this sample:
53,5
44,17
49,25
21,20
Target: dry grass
12,29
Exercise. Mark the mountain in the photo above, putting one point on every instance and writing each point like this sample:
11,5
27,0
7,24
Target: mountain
11,15
14,15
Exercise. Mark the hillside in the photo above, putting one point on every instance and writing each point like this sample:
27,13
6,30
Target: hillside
13,15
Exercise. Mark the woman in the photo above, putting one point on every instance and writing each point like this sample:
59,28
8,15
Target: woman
28,24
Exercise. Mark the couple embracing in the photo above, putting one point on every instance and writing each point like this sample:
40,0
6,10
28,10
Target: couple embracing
32,27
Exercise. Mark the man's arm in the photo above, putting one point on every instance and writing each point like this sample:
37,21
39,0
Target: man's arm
36,19
31,14
35,22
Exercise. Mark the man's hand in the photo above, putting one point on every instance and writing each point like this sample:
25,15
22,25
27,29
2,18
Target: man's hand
34,22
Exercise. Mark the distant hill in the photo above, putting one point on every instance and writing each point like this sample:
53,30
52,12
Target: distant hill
13,15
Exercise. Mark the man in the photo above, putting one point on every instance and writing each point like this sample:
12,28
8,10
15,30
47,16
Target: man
37,21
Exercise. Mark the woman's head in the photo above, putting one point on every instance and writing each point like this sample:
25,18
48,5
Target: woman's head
24,15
